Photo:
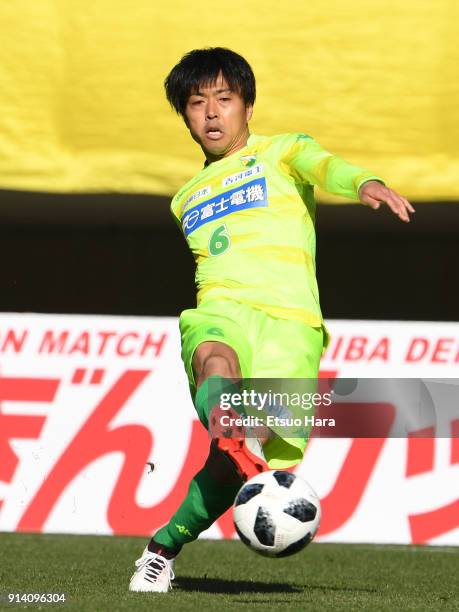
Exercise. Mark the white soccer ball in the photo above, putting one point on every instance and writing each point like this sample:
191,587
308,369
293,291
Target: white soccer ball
276,513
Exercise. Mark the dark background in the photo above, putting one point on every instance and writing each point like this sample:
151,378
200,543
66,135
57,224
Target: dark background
123,254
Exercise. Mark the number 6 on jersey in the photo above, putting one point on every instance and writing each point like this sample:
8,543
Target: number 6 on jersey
219,241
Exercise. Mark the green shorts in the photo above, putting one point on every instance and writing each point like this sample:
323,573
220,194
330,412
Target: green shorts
267,347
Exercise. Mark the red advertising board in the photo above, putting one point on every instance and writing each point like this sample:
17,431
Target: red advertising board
86,402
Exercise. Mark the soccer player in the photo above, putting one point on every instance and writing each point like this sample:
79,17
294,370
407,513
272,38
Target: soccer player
248,217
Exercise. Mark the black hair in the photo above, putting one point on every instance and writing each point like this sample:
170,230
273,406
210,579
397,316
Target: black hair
201,67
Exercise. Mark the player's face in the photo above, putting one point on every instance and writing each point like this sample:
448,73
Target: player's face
217,118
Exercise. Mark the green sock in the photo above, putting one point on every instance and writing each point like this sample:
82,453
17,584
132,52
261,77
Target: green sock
210,393
206,500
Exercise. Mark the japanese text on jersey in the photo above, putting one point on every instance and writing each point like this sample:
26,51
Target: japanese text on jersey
249,195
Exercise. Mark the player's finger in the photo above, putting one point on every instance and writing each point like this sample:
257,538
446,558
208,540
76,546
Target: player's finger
405,206
396,205
408,204
371,202
402,201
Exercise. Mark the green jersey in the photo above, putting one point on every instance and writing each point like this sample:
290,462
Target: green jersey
249,221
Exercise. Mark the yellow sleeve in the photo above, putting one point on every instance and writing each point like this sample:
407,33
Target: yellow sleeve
309,162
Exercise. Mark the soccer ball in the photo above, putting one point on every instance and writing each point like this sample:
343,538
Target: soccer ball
276,513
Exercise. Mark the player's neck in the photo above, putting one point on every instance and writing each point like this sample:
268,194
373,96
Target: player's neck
233,148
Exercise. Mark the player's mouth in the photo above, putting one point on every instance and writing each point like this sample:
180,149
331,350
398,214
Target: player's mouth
214,133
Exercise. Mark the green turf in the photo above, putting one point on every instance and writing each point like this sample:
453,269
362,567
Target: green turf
94,573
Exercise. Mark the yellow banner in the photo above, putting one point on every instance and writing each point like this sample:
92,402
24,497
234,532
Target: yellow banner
82,107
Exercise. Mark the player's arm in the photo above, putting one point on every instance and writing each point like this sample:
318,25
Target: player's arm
174,209
311,163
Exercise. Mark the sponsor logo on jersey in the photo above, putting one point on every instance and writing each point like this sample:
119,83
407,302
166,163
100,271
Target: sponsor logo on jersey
303,137
250,195
201,193
244,174
215,331
248,160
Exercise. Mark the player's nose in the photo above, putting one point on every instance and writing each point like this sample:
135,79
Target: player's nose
211,109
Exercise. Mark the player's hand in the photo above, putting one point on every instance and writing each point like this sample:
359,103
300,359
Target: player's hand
373,193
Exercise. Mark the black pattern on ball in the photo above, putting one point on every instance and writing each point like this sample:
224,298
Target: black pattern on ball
301,509
248,492
284,479
264,527
296,546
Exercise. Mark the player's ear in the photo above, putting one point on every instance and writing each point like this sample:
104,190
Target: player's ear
249,112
